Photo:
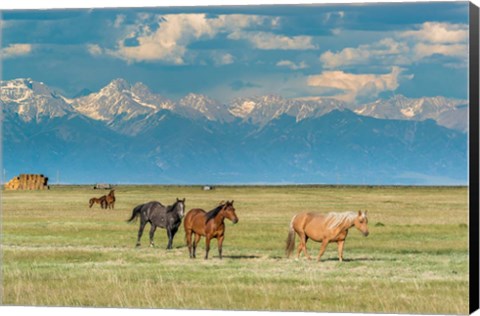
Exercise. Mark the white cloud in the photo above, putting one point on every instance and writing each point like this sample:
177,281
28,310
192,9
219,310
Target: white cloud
423,50
353,86
221,59
119,21
14,50
94,49
337,31
384,51
175,32
404,48
435,32
291,65
270,41
334,16
168,42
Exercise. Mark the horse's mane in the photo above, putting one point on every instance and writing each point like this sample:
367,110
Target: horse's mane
171,207
211,214
335,220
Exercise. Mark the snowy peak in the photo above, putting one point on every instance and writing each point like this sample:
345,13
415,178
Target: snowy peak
197,105
120,99
261,110
118,84
452,113
32,101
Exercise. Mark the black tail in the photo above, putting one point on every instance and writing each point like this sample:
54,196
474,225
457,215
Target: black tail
135,213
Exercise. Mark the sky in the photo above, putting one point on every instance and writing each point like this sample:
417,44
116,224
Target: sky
352,52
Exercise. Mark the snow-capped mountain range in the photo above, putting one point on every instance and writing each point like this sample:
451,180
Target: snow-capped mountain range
120,100
31,100
125,133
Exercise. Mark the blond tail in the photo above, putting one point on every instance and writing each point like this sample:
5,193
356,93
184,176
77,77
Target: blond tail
290,245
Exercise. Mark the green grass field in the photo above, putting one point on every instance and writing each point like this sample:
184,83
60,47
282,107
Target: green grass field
59,252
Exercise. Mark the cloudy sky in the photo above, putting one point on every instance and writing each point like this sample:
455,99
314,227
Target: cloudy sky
353,52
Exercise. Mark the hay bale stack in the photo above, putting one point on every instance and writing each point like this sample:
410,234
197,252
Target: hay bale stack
28,182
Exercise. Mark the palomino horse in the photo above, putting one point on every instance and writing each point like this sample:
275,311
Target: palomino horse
101,200
168,217
211,225
110,200
332,227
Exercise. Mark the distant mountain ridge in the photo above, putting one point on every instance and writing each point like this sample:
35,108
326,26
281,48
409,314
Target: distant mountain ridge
120,99
126,134
451,113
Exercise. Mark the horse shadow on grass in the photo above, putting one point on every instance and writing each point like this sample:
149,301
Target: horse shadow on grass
362,259
241,257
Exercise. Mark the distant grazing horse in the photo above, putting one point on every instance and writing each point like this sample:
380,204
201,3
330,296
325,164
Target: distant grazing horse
169,217
332,227
110,200
210,225
101,200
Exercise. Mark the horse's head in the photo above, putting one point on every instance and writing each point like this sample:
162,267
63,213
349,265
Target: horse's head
361,222
229,212
180,206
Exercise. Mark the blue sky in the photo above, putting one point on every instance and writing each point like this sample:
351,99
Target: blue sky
355,53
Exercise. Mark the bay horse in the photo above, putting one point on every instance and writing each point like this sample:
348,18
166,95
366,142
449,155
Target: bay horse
158,215
211,225
332,227
101,200
110,200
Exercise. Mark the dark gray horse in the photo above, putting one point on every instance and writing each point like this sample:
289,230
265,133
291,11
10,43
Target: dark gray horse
158,215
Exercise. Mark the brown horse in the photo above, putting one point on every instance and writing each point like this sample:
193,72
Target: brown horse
211,225
110,200
332,227
101,200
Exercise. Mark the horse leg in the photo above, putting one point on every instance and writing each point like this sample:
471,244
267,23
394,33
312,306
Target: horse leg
207,246
169,235
305,249
152,233
140,231
220,242
323,247
340,244
303,246
188,235
195,244
172,233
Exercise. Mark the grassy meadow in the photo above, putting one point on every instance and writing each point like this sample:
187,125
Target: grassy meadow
59,252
